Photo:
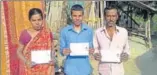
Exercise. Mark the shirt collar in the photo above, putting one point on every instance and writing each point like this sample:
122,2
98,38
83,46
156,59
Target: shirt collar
104,29
83,27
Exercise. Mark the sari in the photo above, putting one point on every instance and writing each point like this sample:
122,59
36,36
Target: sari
42,41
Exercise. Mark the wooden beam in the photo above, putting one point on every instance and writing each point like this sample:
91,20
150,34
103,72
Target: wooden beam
129,16
143,6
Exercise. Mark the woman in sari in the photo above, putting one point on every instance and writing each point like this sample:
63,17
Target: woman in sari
38,37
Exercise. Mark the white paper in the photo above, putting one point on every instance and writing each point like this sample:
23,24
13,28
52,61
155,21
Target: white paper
110,55
41,56
79,49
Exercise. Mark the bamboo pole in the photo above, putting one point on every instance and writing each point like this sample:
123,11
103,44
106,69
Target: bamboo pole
101,12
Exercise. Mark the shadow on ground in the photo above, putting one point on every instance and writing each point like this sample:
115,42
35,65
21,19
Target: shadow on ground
147,62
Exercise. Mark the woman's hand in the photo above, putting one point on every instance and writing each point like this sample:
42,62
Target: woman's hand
30,64
52,62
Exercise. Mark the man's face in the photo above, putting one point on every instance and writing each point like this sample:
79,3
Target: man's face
77,17
111,17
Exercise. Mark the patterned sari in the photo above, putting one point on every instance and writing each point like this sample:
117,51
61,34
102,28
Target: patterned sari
42,41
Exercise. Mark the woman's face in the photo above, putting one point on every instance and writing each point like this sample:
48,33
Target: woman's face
36,21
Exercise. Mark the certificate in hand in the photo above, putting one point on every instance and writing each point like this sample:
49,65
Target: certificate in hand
41,56
110,55
79,49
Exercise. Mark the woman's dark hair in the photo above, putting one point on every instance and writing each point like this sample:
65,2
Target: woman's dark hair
35,11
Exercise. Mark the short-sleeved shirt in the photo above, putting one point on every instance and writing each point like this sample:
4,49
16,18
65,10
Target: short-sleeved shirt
76,65
119,42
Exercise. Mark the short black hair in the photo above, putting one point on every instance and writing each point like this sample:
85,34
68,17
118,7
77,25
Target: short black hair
109,8
35,11
77,7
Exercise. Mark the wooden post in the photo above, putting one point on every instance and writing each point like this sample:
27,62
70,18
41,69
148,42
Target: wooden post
128,16
146,27
102,13
148,31
131,8
97,12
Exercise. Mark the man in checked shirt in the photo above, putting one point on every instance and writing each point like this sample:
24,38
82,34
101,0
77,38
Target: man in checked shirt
114,38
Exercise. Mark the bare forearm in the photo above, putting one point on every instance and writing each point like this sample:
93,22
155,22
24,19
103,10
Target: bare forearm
21,56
